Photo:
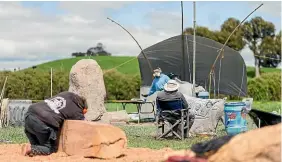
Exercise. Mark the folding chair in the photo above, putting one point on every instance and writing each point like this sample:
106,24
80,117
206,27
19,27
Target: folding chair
173,113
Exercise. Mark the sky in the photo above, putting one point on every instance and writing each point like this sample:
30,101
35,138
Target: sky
37,32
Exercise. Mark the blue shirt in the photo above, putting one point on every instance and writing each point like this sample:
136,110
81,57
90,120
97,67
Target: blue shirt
158,84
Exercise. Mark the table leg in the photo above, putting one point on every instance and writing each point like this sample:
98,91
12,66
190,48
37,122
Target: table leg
123,105
153,105
139,111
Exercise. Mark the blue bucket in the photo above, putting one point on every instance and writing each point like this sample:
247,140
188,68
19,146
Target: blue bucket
235,117
203,95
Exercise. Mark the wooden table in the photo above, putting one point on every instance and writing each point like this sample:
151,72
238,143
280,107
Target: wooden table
138,104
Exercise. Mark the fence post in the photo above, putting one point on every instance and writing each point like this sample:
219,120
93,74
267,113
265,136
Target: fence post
51,81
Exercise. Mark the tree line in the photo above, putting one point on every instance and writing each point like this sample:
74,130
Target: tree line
98,50
257,34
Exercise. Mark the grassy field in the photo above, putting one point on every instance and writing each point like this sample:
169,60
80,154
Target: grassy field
108,62
142,135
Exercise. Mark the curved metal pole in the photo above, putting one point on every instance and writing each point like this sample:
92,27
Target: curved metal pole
136,42
221,50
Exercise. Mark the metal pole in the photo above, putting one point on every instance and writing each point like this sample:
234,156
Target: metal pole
183,51
51,81
3,91
194,49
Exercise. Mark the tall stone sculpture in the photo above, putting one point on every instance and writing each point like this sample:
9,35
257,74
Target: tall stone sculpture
86,79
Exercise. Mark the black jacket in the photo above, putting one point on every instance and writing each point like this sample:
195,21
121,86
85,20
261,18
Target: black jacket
53,111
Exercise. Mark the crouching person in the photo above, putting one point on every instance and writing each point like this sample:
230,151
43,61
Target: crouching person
44,120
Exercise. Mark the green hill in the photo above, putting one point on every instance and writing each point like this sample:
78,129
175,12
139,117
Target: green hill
106,62
109,62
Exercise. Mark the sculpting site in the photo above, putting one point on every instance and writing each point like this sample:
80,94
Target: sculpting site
191,97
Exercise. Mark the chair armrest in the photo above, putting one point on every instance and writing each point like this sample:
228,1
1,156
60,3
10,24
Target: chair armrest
183,110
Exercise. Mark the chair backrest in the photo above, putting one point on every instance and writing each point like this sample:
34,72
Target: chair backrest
176,104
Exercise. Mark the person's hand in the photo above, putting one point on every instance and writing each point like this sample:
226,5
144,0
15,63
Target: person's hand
145,95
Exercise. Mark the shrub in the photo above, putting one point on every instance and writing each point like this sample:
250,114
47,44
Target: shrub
120,86
266,87
35,85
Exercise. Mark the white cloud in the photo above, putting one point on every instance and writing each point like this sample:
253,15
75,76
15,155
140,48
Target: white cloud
31,37
272,8
28,34
7,47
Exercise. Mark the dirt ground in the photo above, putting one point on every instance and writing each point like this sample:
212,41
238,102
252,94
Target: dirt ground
12,153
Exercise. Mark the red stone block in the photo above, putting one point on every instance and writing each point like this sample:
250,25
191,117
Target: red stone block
90,139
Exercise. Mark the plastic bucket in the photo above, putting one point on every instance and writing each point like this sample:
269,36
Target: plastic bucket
235,117
203,95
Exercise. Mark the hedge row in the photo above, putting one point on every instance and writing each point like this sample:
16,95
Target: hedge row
265,88
35,85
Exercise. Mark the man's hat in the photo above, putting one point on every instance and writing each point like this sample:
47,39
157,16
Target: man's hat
171,86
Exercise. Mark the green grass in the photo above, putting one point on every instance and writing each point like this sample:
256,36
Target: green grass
12,135
137,135
251,71
130,108
142,135
266,70
108,62
265,106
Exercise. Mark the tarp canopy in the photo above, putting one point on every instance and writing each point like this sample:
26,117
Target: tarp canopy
168,55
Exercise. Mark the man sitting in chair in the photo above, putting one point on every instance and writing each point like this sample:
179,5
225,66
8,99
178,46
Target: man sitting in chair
171,93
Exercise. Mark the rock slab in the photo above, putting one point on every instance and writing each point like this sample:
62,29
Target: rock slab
86,80
207,112
92,139
115,116
258,145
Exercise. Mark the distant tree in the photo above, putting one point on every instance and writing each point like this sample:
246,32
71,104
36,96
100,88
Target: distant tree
271,48
202,32
255,31
236,41
78,54
97,51
278,43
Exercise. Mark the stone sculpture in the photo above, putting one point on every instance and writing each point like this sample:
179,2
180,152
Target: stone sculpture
86,79
207,112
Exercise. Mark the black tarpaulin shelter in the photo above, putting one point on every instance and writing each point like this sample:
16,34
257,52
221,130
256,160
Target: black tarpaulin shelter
230,79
